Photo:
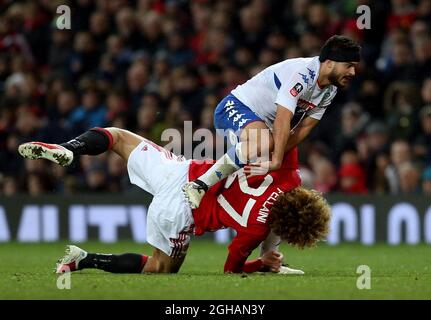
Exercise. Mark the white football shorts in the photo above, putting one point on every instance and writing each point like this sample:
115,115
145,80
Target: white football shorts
169,218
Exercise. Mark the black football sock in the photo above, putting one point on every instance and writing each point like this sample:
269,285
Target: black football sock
92,142
123,263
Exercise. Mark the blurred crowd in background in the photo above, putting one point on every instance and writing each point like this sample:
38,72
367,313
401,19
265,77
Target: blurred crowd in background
149,65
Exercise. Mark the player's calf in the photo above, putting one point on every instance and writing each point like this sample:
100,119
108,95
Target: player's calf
92,142
78,259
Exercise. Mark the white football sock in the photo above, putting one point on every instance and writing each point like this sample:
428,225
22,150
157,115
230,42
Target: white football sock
224,166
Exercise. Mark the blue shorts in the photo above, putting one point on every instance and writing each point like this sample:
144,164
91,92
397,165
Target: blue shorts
232,114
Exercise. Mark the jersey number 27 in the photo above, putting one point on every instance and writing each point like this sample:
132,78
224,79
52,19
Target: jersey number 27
242,219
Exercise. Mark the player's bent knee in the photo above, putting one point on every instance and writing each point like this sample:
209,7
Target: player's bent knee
121,136
259,140
115,133
259,148
124,141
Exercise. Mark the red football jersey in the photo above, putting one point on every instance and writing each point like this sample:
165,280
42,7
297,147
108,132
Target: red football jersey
243,204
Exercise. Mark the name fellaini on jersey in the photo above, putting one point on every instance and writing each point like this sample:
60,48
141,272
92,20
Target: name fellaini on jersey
266,206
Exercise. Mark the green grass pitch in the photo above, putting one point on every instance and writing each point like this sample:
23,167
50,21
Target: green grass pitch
401,272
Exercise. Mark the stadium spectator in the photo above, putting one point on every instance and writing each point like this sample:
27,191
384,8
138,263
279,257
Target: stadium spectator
400,154
352,179
422,144
353,122
426,181
325,176
378,180
409,178
426,91
9,186
401,105
351,173
91,112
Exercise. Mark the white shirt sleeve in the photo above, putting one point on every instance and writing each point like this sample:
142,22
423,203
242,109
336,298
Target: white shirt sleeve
316,113
290,91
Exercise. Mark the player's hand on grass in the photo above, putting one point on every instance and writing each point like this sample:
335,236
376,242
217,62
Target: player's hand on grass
272,260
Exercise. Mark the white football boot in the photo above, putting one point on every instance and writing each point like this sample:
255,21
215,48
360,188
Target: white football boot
41,150
286,270
70,261
194,191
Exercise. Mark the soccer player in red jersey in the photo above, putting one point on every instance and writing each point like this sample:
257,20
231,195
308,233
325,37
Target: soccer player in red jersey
252,206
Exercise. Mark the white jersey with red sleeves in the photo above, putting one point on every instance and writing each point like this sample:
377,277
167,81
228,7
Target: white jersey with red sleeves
292,84
243,204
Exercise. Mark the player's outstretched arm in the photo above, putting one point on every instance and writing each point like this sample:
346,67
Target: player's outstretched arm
240,249
271,260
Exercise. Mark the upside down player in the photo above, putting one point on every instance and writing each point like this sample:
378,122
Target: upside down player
253,207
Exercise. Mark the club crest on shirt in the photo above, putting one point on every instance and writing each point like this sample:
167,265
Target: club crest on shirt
297,88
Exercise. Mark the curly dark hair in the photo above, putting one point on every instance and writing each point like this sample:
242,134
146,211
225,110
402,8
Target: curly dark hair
300,217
